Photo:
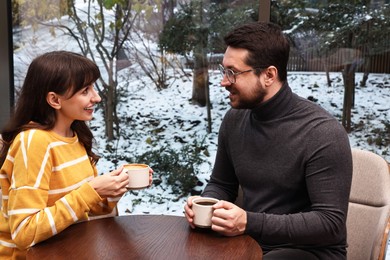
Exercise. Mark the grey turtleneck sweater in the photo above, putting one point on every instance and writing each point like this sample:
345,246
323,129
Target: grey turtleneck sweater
293,162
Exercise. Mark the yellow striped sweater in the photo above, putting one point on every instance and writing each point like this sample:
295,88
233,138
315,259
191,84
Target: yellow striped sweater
44,183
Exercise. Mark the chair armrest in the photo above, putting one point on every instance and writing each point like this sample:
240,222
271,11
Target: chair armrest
385,241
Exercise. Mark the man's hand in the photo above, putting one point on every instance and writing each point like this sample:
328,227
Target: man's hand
188,211
228,219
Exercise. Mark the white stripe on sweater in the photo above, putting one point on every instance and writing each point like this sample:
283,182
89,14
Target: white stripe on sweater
13,235
7,244
44,161
51,221
22,211
70,163
71,211
30,136
10,158
70,188
24,151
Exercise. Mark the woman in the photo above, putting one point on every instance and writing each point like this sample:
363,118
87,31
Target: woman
48,176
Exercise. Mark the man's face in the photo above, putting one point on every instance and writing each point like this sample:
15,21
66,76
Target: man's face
248,89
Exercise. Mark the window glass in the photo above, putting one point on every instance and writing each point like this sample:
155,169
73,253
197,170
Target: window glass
161,97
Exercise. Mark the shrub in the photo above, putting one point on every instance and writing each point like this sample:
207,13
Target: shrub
178,167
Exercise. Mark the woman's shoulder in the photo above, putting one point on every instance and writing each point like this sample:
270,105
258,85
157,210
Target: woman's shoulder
31,138
36,136
34,133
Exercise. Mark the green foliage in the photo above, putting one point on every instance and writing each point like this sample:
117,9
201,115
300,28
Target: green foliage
179,167
33,12
109,4
380,137
196,22
288,13
350,24
179,32
224,17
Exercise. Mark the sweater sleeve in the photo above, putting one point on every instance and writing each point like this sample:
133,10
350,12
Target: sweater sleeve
223,182
105,206
35,212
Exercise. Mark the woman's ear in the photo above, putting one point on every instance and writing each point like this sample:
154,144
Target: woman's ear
53,100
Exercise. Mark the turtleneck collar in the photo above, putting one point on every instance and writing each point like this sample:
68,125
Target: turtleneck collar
276,107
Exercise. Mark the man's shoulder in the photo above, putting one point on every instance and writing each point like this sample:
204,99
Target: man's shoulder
311,108
235,112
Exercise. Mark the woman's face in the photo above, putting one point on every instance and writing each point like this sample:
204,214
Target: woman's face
80,106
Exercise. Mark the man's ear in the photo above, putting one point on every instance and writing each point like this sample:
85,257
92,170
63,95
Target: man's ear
53,100
271,75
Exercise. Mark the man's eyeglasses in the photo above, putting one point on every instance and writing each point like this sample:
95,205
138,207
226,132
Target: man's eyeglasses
230,74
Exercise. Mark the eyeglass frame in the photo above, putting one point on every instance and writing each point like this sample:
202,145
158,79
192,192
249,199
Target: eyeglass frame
223,71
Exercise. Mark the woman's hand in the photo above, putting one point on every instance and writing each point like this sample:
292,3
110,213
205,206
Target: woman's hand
112,184
150,176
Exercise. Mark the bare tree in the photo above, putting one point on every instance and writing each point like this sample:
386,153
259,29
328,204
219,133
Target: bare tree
100,30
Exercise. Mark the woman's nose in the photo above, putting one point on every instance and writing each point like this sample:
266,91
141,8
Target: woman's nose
96,98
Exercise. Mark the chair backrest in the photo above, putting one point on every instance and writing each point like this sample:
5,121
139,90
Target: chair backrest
369,206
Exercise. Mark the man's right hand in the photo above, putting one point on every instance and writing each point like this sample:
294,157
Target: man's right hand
188,211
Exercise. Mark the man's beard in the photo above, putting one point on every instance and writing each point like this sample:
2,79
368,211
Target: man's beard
257,98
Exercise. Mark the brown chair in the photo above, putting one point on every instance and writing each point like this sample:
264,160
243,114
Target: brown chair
369,207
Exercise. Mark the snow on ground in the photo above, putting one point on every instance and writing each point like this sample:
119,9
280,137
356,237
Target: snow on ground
172,112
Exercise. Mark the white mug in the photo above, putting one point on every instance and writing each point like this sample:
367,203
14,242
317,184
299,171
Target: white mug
138,175
203,211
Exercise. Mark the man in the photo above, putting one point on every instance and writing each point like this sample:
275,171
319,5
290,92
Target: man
290,157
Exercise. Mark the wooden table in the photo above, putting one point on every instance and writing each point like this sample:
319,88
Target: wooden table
143,237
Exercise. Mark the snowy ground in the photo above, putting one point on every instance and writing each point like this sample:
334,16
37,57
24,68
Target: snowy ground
142,110
171,111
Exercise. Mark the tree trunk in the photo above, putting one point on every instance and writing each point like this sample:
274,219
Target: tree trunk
110,103
349,86
201,77
328,76
209,120
109,115
367,63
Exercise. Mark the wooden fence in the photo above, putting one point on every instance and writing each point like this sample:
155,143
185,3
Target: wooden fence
335,61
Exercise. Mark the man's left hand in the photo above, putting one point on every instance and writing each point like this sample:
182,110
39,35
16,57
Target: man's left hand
228,219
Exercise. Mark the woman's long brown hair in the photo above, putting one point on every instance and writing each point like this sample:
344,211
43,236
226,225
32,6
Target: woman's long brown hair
60,72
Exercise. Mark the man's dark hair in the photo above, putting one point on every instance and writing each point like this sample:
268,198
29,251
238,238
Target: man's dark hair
266,44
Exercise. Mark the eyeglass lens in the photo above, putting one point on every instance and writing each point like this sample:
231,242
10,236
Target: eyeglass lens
228,72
